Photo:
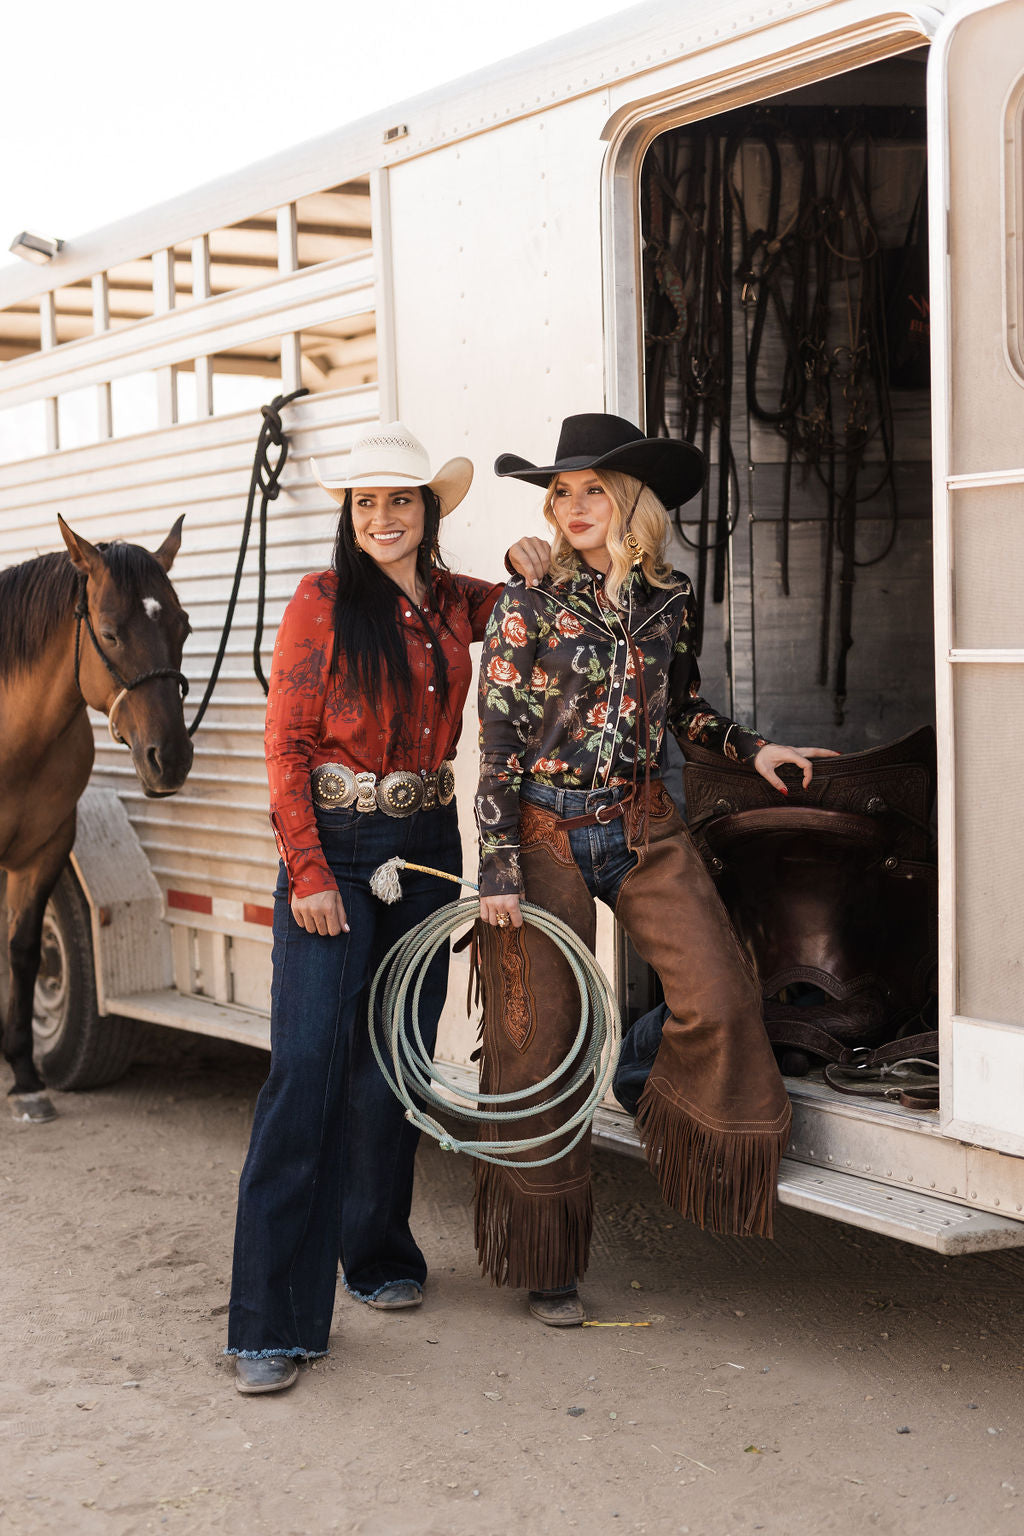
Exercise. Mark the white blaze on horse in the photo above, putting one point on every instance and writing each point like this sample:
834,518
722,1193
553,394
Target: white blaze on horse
101,626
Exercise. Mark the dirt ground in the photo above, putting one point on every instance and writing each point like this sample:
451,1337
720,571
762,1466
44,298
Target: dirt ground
829,1382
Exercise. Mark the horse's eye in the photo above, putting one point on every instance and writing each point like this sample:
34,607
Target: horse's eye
109,636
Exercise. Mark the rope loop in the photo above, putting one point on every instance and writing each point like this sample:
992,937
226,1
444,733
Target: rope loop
427,1089
265,478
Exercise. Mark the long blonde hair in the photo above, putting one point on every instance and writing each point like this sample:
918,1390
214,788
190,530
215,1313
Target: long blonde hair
649,526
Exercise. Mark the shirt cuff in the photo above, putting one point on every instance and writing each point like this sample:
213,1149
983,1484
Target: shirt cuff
307,868
742,745
500,871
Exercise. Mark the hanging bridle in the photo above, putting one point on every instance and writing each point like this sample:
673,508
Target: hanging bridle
126,687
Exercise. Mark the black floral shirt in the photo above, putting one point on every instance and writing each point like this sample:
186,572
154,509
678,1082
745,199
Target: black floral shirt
559,698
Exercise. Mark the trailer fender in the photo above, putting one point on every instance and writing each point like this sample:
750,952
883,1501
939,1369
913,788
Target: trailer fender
130,940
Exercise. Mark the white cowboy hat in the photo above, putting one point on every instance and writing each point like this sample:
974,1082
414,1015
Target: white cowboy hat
389,455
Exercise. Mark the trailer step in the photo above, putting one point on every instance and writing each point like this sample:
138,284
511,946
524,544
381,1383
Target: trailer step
929,1222
200,1015
925,1220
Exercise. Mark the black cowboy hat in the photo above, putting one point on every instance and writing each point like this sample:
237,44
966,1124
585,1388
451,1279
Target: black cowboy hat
673,468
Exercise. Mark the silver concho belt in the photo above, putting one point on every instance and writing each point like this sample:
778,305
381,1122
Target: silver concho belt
335,787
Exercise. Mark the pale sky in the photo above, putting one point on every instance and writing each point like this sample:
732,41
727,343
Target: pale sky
109,106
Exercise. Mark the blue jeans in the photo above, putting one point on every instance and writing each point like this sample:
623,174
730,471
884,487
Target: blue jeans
603,856
604,861
330,1165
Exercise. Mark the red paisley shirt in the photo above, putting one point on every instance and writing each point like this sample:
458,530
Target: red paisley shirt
310,722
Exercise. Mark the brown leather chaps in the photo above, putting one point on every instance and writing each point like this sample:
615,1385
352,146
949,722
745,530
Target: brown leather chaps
714,1116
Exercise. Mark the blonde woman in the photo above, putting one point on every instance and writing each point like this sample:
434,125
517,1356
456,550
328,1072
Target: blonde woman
580,677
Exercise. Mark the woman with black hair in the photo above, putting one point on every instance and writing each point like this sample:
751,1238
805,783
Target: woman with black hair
370,674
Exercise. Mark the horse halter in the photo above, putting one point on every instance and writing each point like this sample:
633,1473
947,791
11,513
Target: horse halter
126,687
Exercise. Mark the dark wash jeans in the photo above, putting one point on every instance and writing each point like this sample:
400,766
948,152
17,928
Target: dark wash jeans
330,1165
604,861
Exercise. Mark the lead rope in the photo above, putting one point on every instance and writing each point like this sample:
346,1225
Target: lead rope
421,1085
265,477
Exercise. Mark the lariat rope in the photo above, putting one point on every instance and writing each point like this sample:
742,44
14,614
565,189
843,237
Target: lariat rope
422,1086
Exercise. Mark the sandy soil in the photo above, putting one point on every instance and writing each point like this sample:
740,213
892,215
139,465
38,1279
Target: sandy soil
829,1382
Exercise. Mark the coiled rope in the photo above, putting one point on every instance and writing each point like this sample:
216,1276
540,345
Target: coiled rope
421,1085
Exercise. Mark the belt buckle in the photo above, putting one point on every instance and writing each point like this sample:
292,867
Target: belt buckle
602,819
365,786
333,786
445,783
400,793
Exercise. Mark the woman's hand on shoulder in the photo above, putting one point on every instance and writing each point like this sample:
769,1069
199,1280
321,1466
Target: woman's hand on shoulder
530,557
493,908
771,755
323,913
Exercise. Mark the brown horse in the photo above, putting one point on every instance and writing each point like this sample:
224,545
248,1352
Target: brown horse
100,625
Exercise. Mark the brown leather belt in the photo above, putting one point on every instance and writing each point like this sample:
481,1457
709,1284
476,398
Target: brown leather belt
599,818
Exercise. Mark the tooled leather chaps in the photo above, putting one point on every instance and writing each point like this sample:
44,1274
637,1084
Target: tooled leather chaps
714,1115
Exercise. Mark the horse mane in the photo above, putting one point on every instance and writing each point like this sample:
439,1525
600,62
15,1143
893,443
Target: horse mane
36,597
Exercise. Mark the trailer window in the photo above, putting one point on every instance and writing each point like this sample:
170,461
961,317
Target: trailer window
19,330
243,254
277,300
333,223
130,290
77,418
134,404
22,432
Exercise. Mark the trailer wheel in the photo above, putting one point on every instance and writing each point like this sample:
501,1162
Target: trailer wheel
75,1045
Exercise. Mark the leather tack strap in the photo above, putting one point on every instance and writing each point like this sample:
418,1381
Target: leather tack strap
599,818
808,1037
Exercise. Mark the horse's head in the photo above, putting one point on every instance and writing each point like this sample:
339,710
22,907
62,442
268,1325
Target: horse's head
131,634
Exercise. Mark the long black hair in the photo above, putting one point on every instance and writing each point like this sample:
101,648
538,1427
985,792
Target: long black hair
366,628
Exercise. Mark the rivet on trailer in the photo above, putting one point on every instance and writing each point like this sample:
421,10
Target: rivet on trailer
738,227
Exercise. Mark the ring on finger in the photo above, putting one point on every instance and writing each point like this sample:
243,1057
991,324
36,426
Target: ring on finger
503,919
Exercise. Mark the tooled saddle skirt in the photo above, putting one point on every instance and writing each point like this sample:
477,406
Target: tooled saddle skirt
832,890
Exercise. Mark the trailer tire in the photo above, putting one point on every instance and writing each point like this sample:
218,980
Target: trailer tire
75,1045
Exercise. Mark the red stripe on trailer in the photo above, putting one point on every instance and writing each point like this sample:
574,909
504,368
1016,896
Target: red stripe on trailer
190,901
253,914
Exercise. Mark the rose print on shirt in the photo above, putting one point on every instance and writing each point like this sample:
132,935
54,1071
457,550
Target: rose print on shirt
513,628
501,671
568,626
578,728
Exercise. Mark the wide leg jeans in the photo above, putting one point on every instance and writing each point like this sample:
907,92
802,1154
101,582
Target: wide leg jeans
329,1170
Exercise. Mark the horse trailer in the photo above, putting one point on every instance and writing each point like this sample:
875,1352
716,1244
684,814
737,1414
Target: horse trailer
480,261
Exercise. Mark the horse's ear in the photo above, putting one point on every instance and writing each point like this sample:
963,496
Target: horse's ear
85,557
170,546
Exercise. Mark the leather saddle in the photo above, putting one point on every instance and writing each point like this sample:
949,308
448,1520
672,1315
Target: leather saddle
833,891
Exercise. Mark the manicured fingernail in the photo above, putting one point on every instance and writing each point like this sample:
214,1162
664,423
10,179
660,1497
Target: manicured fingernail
783,791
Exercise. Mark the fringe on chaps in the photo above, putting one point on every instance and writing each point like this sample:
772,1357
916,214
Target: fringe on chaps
723,1181
536,1242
